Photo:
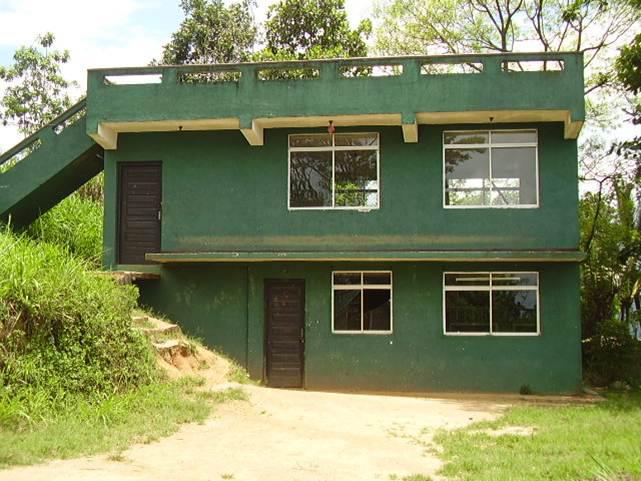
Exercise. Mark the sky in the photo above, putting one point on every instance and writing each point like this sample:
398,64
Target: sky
99,33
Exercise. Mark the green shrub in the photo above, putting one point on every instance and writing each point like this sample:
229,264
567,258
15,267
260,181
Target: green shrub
612,355
64,332
74,224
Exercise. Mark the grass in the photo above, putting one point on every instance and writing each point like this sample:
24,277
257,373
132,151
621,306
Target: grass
575,443
142,415
75,224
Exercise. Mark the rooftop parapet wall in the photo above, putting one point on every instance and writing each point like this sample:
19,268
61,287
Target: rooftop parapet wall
404,91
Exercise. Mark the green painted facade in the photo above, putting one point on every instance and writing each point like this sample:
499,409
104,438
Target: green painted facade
224,305
408,95
222,195
238,197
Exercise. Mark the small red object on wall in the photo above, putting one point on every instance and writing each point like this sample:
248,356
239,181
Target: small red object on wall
331,129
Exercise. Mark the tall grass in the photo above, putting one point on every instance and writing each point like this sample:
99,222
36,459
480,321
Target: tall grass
64,332
83,427
76,225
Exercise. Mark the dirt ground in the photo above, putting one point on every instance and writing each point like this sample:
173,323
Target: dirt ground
287,435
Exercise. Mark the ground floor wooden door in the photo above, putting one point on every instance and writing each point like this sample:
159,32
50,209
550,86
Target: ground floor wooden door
285,332
139,214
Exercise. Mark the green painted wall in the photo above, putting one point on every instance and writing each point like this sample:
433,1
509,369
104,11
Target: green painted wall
221,194
225,305
333,94
210,304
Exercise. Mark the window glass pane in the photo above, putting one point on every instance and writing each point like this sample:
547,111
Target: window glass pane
347,278
514,311
467,311
310,140
515,279
467,173
356,178
376,310
470,279
516,137
347,310
514,176
310,179
466,137
384,278
355,139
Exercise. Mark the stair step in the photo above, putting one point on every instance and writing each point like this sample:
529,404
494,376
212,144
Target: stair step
168,329
172,348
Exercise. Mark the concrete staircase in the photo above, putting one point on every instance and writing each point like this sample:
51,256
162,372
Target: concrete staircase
174,350
46,167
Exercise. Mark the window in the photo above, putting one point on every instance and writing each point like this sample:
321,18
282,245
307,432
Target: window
362,302
334,171
491,303
490,168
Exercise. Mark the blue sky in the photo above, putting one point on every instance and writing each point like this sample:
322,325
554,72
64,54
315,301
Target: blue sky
99,33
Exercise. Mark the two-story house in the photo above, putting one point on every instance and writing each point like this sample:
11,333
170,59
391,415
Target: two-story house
404,224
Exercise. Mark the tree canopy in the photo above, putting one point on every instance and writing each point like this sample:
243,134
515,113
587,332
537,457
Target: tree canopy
36,92
471,26
302,29
212,33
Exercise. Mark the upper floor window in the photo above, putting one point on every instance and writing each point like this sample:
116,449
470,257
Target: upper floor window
334,171
490,168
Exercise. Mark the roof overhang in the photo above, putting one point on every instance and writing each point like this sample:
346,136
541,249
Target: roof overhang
253,129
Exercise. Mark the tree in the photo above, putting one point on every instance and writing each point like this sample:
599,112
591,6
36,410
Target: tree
212,33
36,91
611,273
628,66
305,29
473,26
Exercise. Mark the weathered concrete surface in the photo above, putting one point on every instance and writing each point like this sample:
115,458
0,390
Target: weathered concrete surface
282,435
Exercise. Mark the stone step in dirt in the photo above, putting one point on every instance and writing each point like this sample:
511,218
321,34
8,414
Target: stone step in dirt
171,349
169,329
138,320
153,328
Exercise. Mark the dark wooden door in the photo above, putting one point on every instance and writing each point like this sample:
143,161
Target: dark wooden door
285,321
140,198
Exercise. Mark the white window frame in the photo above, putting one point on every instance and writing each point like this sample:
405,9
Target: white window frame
489,288
489,146
363,287
333,149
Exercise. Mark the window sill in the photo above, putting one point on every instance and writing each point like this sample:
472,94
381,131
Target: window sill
492,334
490,207
363,333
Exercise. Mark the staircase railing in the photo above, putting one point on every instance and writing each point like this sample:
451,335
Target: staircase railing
48,132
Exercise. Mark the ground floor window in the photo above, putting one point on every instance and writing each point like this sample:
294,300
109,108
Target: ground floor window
362,302
491,303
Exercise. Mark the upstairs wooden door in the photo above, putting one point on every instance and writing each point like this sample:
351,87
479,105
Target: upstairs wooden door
285,321
140,200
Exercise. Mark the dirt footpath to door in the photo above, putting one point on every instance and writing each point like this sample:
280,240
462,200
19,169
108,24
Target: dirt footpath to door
286,435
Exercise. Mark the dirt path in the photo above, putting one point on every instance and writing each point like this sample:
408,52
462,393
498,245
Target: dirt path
282,435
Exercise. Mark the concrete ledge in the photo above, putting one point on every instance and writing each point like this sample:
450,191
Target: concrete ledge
397,256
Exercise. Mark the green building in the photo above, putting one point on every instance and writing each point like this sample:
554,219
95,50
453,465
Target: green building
397,224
